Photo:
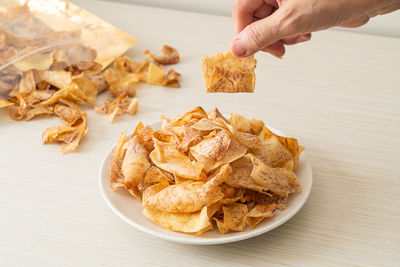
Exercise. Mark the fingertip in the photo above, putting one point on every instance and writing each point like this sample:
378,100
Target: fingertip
237,48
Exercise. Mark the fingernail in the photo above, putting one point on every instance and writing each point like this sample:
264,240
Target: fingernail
237,47
304,38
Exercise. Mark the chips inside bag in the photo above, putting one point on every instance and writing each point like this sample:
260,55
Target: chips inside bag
35,34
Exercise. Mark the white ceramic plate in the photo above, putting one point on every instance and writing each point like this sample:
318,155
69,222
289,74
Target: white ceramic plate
129,209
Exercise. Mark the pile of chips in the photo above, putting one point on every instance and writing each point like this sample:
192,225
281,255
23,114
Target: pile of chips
124,76
200,168
225,73
57,79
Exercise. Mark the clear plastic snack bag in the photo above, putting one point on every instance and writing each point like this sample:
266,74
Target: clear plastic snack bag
53,35
52,54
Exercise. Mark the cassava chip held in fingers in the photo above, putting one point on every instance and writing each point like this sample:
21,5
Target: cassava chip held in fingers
225,73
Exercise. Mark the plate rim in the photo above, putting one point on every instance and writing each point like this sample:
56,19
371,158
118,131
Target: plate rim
207,241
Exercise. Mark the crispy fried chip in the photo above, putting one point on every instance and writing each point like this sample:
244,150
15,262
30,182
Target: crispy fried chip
120,105
18,112
116,177
68,115
171,79
71,134
272,152
240,123
196,222
170,55
37,61
39,111
145,135
226,73
87,86
167,157
60,79
27,84
231,194
213,148
233,218
121,82
135,164
5,103
235,150
258,213
214,113
289,143
277,180
197,113
187,196
153,176
155,74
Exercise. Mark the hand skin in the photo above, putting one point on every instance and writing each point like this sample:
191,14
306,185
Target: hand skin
269,25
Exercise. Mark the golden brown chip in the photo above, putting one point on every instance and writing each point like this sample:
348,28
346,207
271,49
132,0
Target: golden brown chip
171,78
36,61
187,196
258,213
272,152
87,86
170,55
289,143
247,139
121,82
116,177
235,150
271,198
256,126
213,148
214,114
135,163
206,125
18,112
68,115
196,222
190,137
167,157
38,111
234,214
153,176
155,74
145,135
27,84
80,53
69,135
60,79
5,103
197,113
120,105
240,123
231,194
226,73
277,180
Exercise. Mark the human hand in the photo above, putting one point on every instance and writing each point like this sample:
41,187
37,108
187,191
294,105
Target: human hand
269,25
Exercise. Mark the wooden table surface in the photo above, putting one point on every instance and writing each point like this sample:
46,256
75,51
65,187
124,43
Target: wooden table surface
339,95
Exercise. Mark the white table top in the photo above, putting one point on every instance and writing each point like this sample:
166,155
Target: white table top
339,95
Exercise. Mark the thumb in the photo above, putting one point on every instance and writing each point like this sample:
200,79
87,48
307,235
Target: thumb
261,34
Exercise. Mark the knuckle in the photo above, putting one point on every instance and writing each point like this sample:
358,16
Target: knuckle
255,35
